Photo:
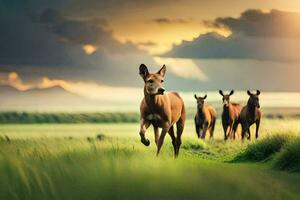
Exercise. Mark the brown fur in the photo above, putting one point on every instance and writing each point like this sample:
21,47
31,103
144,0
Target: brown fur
250,114
205,118
160,110
230,115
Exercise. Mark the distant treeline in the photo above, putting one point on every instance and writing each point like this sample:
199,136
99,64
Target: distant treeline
113,117
37,117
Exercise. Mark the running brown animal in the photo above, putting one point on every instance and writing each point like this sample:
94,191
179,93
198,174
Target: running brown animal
230,115
250,114
162,110
205,118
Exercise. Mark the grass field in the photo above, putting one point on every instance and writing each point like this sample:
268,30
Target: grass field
59,161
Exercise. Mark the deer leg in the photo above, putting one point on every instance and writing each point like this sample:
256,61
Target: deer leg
257,128
156,134
225,127
171,133
144,125
235,125
161,139
244,130
197,127
212,128
249,134
230,131
204,130
198,131
179,127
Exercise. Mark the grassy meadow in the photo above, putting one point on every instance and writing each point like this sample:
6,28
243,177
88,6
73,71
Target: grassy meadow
69,161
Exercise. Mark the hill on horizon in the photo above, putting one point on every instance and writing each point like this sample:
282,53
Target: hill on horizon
36,99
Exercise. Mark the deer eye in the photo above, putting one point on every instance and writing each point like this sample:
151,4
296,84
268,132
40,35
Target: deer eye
150,81
162,81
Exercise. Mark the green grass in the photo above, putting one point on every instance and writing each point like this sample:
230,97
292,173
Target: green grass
60,161
263,149
283,151
289,158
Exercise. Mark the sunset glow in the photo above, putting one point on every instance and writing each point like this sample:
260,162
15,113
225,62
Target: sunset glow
89,49
14,80
92,49
150,99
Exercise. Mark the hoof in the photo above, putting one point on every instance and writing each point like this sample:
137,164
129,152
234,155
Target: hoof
146,142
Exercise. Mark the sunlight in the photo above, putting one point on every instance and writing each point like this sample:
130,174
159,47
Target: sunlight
14,80
89,49
185,68
95,91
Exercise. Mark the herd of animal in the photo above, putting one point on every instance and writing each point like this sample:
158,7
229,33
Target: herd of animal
233,114
165,110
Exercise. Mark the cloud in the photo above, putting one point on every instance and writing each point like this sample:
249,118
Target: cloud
56,47
50,15
249,74
184,68
14,80
213,45
115,7
164,20
83,31
88,90
50,43
94,91
51,40
257,23
255,35
148,43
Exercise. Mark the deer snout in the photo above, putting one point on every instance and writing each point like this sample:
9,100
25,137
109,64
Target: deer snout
225,102
200,106
161,90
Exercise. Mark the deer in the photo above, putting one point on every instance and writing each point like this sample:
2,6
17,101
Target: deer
250,114
230,115
161,110
205,118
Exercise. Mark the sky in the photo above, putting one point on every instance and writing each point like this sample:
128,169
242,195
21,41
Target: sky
90,47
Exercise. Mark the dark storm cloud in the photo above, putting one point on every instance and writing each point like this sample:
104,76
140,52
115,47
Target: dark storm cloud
112,8
35,43
50,15
255,35
53,16
261,24
22,42
82,31
164,20
213,45
46,38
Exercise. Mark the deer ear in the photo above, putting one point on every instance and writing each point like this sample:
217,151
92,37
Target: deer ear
162,71
257,92
205,96
231,92
221,92
143,71
249,93
195,96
